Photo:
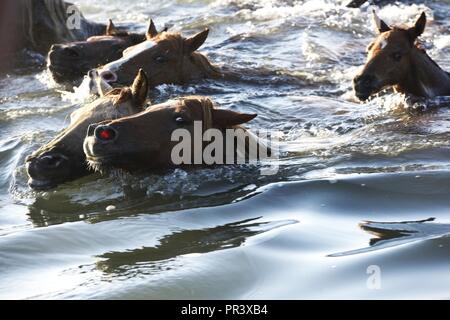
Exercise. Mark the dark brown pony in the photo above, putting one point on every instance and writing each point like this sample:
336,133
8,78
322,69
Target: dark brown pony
63,159
144,141
167,58
396,60
70,62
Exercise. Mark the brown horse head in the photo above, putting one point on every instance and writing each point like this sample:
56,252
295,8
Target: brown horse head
144,141
167,58
392,58
70,62
63,159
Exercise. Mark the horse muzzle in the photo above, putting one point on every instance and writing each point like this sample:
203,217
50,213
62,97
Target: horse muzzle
47,171
65,63
364,86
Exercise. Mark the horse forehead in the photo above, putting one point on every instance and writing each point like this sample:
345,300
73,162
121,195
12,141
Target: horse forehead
389,40
397,37
130,53
382,43
141,47
169,107
103,38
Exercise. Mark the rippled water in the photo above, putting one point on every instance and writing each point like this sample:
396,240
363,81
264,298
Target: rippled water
357,186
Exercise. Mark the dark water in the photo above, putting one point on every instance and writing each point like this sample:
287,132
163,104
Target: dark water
357,185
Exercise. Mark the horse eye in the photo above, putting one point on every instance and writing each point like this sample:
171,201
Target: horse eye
180,120
397,56
160,59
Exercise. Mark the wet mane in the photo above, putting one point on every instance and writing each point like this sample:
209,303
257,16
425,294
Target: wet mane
205,66
422,50
173,37
207,106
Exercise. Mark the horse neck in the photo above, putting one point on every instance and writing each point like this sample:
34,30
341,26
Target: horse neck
426,78
251,141
198,67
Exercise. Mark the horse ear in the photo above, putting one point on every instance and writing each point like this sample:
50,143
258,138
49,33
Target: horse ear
195,42
419,27
151,30
380,24
139,88
111,29
227,118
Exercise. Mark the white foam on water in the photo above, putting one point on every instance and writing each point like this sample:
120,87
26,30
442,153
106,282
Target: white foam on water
442,42
81,94
404,14
46,78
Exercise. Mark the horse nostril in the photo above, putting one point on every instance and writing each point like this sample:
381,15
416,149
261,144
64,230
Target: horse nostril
105,133
108,76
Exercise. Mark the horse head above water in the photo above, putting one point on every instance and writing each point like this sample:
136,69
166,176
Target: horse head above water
62,159
396,60
144,141
167,58
70,62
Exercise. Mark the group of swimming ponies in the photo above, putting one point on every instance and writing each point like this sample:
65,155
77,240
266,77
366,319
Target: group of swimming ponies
122,129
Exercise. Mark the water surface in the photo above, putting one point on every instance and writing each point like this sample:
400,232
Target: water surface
359,185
